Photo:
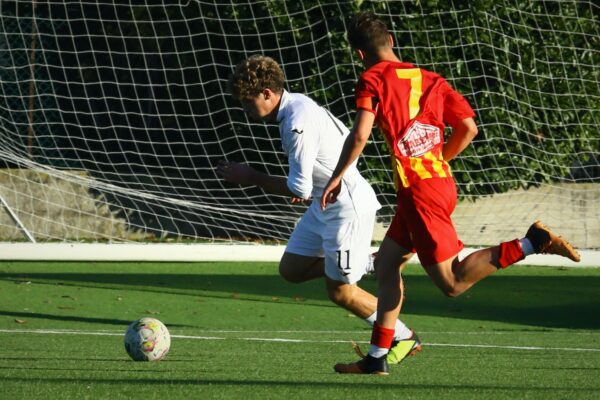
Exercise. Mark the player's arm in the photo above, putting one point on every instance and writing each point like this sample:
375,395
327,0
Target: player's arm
459,115
301,142
463,133
353,147
244,174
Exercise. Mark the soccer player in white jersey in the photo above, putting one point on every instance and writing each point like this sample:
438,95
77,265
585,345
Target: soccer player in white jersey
334,243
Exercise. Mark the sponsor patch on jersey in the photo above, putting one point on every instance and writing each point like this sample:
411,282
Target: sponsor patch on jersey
419,139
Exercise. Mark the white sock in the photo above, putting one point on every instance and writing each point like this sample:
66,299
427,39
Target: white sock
371,319
377,352
526,246
401,331
370,268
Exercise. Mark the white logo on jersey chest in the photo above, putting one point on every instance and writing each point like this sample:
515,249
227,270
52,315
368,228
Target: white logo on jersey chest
419,139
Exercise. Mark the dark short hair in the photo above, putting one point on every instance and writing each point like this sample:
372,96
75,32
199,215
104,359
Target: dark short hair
367,32
254,75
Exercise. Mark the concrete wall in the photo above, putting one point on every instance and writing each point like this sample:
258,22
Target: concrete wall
54,209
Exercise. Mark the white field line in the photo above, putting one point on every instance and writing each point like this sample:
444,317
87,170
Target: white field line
284,340
324,332
491,346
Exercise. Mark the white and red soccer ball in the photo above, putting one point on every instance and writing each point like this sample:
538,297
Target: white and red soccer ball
147,339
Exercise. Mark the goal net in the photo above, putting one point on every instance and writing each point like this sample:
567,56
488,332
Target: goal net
113,115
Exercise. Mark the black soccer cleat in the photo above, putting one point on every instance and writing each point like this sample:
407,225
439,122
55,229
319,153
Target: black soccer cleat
367,365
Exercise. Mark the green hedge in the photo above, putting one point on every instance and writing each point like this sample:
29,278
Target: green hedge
529,68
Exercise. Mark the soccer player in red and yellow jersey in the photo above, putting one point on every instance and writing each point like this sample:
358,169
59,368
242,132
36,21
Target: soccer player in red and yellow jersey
412,106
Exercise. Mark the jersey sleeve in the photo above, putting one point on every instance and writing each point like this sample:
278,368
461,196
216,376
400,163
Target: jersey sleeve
366,94
302,150
456,107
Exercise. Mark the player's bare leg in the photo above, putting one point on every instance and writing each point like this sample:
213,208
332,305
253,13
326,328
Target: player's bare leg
295,268
390,260
454,277
389,279
351,297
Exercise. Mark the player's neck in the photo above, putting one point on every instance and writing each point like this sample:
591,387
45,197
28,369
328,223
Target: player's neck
383,55
272,116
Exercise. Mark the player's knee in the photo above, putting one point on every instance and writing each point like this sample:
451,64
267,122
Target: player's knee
450,288
450,293
453,291
340,295
289,274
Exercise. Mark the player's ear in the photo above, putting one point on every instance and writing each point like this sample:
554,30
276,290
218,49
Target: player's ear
391,40
267,93
361,54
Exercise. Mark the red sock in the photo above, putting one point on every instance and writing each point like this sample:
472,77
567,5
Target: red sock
382,337
510,253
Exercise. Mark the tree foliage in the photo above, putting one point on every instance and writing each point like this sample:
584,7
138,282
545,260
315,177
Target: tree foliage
154,78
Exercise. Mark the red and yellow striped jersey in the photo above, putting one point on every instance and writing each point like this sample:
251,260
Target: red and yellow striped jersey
412,106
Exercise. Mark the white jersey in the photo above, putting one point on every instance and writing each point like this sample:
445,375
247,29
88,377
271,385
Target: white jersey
313,139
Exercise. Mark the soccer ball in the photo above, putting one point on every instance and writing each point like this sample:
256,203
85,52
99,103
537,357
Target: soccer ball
147,339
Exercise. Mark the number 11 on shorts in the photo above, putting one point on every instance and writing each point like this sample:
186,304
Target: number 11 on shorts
344,269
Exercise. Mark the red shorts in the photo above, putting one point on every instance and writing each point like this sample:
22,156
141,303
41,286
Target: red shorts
422,223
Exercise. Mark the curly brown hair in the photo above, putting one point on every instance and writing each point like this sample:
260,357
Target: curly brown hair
367,32
254,75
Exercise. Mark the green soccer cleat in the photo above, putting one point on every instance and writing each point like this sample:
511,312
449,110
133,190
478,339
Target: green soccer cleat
404,348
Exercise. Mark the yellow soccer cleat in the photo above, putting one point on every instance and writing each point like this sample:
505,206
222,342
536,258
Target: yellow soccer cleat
404,348
545,241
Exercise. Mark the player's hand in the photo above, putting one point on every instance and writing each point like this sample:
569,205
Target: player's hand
233,172
331,192
296,200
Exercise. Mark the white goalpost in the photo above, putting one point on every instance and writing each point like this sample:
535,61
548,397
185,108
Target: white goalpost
113,116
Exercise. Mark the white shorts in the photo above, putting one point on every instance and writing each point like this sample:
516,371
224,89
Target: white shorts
345,243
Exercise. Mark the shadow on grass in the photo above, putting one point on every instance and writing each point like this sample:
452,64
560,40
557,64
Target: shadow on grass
54,317
560,300
303,385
